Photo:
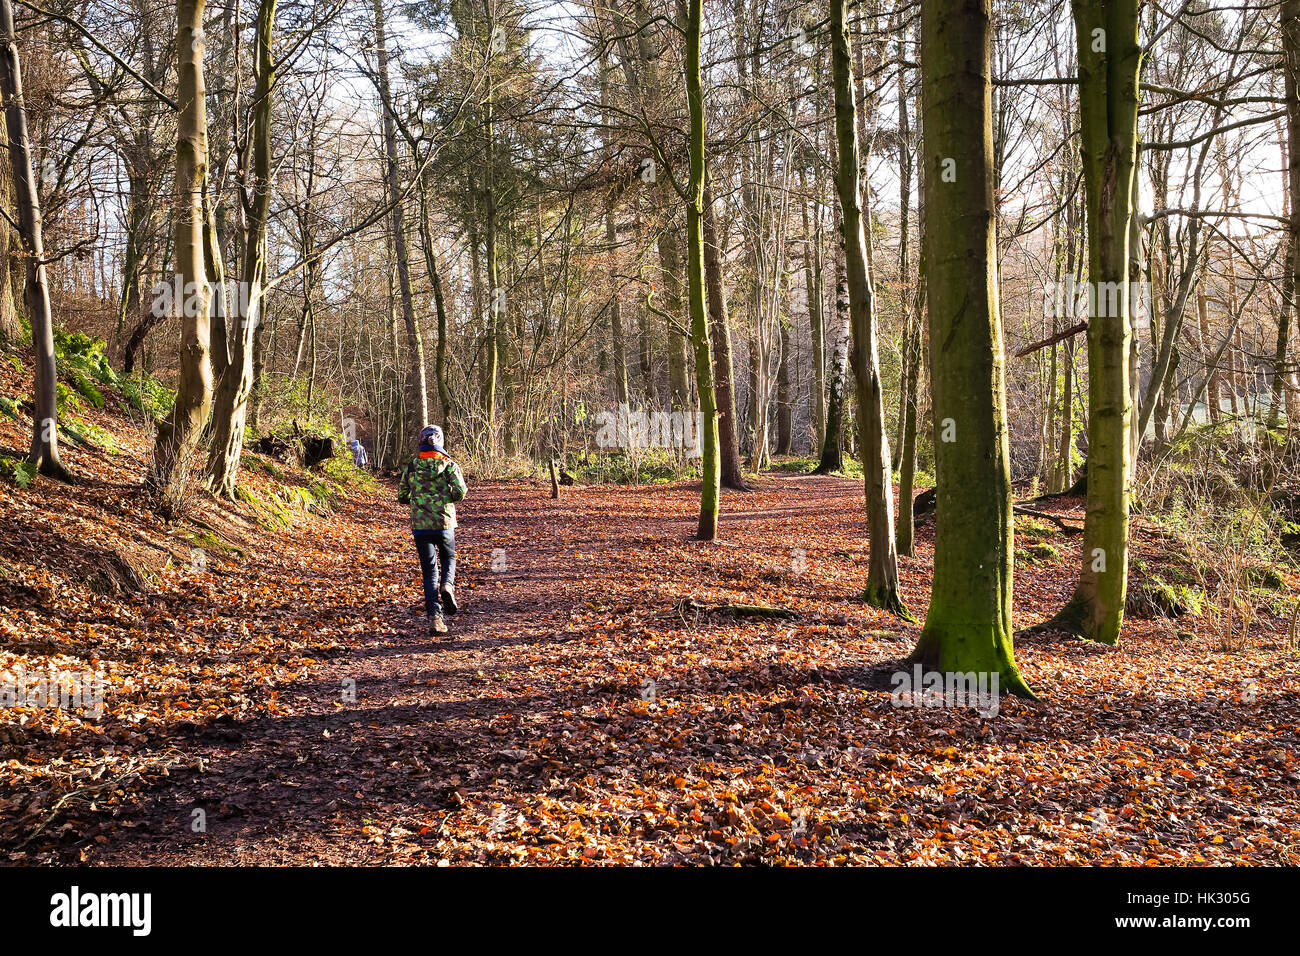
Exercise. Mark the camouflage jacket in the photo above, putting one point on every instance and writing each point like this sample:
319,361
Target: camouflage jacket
431,484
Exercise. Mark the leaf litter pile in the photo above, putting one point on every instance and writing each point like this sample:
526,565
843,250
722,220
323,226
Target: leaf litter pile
284,703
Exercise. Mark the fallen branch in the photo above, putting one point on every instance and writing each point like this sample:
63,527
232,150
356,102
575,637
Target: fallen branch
1048,516
735,610
84,795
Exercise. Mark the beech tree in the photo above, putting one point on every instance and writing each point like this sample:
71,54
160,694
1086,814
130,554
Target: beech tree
178,435
968,626
882,572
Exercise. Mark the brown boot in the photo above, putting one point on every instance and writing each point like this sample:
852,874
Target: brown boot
437,626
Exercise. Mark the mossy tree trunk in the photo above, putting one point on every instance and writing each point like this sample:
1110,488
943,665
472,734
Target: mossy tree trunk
968,627
1110,61
710,471
784,393
11,329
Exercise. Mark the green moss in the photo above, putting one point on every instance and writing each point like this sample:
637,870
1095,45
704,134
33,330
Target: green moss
283,509
1266,577
1044,552
920,478
1191,598
1037,553
887,600
267,511
263,465
211,542
342,471
1156,597
800,466
316,497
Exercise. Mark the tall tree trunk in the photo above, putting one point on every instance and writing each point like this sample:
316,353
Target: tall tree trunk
44,453
910,390
1073,269
230,407
710,471
11,329
832,456
812,288
1291,75
1135,273
492,344
1283,399
418,402
723,367
619,341
618,338
1213,397
179,434
968,626
882,570
1110,62
134,259
1065,452
446,404
670,268
784,403
905,533
753,381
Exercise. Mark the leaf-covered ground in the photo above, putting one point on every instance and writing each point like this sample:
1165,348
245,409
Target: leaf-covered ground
580,716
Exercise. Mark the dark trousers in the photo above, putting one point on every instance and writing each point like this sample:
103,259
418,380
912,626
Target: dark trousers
437,551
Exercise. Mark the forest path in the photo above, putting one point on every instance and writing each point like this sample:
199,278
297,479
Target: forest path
577,717
372,732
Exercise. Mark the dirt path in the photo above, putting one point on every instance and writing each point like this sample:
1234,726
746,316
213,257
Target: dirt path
576,717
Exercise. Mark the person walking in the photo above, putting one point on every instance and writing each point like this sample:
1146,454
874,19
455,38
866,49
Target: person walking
431,483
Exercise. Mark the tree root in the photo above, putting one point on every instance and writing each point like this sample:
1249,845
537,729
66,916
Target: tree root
887,599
